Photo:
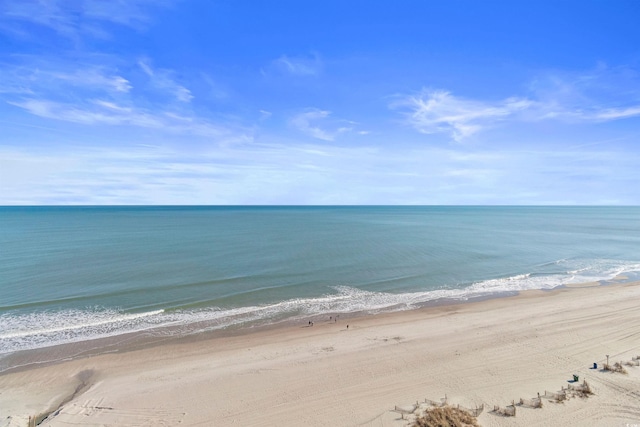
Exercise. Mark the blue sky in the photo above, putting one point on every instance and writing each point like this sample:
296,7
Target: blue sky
319,102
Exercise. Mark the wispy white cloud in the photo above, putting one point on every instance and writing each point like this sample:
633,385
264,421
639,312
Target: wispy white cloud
75,19
439,111
129,13
318,124
587,98
264,114
303,122
103,112
96,78
597,95
300,66
600,85
105,95
617,113
32,75
163,80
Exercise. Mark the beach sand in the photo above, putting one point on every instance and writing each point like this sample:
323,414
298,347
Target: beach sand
488,352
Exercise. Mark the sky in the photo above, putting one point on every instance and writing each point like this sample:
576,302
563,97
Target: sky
331,102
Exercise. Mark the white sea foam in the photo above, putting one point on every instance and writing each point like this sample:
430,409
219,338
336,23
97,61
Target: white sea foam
44,329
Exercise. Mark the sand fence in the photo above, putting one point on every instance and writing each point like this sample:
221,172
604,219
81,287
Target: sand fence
572,390
507,411
535,402
559,396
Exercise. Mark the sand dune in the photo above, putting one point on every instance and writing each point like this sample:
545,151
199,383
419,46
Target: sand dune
490,352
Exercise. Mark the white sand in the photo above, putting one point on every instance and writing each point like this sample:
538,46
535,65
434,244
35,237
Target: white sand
489,352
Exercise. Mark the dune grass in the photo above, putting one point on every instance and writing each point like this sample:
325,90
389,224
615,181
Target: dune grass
616,367
445,416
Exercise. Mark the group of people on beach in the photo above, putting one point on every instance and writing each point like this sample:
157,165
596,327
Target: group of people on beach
335,320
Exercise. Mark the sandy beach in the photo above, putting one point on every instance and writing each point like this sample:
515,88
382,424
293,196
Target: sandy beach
486,353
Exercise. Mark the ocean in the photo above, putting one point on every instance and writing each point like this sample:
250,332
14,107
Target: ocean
93,274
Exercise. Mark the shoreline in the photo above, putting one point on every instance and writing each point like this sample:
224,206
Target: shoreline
205,328
137,340
328,372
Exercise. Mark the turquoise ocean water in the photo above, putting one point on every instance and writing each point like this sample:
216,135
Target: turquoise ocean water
80,274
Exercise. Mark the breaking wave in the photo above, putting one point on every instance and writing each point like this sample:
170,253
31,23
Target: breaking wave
49,328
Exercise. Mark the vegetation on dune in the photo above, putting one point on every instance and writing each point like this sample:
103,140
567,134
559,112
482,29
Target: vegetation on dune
445,416
616,367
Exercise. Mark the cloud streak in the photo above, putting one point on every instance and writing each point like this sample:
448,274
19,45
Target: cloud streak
102,112
163,80
35,75
299,66
319,125
75,19
101,95
438,111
